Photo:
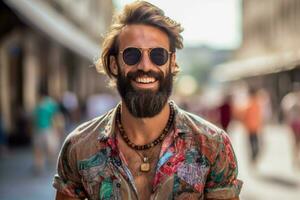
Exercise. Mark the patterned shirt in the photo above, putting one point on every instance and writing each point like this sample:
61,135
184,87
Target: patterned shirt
196,161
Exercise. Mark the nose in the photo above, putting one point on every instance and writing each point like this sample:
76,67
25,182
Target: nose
145,63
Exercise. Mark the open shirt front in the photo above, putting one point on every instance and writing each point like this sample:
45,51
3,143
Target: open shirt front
196,161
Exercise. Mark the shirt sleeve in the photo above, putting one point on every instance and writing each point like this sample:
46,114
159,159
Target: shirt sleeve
222,182
67,180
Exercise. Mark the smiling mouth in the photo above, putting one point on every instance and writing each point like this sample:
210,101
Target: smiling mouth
145,80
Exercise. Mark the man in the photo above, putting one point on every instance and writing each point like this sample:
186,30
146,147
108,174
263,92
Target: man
290,106
45,138
146,148
225,112
253,122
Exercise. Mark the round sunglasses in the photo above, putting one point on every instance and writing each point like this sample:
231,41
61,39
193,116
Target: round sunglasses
133,55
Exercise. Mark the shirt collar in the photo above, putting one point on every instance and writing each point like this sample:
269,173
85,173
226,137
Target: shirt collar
180,120
107,132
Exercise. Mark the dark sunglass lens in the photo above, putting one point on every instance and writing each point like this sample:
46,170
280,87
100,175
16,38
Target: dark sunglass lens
131,56
159,56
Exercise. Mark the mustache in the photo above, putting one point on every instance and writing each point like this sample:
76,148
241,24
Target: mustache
157,75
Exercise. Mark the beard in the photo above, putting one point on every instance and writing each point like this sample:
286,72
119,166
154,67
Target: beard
144,103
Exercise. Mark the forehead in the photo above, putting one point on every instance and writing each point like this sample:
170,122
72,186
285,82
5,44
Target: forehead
143,36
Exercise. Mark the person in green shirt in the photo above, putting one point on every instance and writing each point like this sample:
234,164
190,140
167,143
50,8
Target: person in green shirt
45,140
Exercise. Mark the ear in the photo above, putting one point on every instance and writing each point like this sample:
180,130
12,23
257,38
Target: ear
173,63
113,65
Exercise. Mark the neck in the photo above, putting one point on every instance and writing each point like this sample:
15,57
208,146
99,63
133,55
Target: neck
144,130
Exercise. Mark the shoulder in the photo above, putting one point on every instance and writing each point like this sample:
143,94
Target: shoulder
198,125
208,137
84,140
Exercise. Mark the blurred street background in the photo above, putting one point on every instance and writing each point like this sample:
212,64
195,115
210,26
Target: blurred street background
240,69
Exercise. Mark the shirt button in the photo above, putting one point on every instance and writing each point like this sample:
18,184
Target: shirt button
118,185
118,163
169,163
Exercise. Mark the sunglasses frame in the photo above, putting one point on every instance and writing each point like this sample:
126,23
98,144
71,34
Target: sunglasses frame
148,52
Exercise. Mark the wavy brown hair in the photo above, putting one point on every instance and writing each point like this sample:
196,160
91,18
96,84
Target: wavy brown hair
138,12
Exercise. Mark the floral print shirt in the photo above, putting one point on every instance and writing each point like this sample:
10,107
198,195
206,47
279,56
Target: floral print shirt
196,161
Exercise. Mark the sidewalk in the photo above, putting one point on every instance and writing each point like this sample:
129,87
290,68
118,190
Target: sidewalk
274,177
18,182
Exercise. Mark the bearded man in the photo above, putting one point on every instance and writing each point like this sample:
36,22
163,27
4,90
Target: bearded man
147,147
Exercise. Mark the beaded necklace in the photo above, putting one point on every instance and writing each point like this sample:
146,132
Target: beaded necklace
145,166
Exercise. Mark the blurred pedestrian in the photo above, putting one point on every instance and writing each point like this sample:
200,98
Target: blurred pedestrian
252,120
291,109
45,137
225,112
71,109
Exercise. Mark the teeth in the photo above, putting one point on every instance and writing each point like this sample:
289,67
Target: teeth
145,80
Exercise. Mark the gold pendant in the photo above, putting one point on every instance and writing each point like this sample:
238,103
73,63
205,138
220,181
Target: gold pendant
145,166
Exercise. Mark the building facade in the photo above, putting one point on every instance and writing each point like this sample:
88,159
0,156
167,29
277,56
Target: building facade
50,44
269,56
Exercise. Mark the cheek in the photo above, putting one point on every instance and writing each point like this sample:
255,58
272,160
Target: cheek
125,71
122,70
122,67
